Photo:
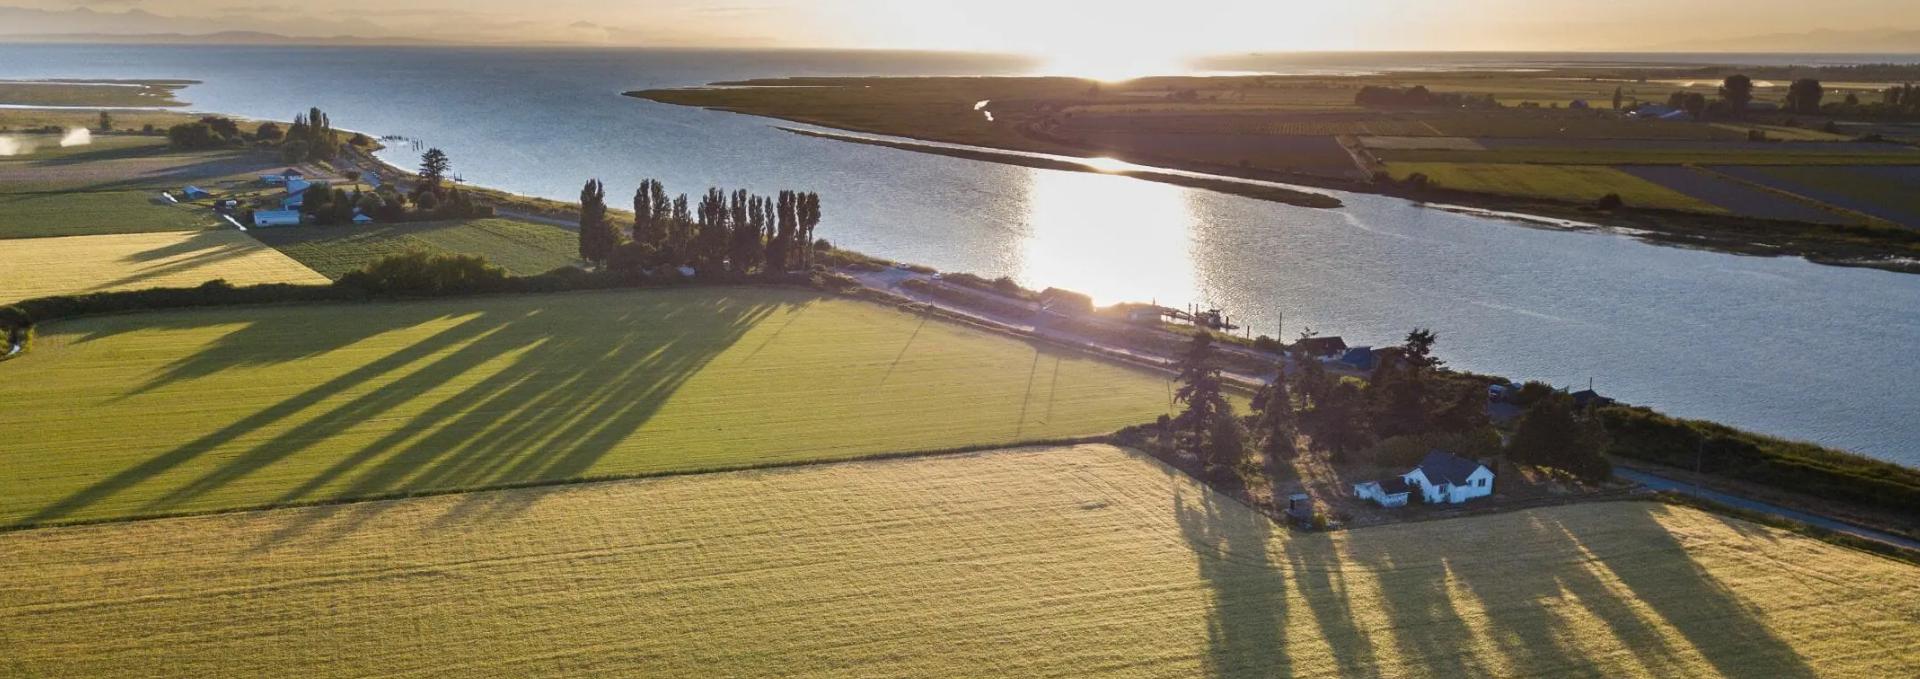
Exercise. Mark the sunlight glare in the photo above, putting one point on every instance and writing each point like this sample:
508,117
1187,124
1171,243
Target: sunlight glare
1114,238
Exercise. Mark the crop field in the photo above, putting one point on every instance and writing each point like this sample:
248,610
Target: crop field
1084,561
40,267
111,186
159,413
1734,197
1604,153
523,248
1885,192
1314,155
1571,183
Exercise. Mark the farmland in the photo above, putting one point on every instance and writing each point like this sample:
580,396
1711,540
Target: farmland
112,185
102,93
1085,561
522,248
1572,183
39,267
161,413
1887,193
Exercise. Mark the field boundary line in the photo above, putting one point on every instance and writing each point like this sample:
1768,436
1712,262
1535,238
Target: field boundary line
1106,439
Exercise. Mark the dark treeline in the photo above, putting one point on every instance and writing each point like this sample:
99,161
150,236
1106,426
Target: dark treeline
310,137
1419,95
734,232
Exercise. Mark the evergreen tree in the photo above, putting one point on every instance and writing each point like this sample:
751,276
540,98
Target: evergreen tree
1618,98
809,216
1273,423
434,166
596,240
1200,390
1804,95
1549,435
713,236
1338,422
746,249
786,218
1737,91
680,230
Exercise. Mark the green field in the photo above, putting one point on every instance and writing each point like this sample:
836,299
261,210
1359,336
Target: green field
40,267
100,93
1839,155
189,411
113,185
1571,183
523,248
1075,562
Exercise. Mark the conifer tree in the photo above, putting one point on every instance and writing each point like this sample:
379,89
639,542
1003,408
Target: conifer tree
596,241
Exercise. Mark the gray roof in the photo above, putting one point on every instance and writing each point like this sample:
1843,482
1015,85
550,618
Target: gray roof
1393,486
1443,467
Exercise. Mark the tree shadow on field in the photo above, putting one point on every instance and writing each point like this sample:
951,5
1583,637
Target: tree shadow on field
1660,573
564,384
1246,626
1411,576
1320,572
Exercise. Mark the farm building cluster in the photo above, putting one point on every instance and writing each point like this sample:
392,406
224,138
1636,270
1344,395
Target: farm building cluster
1440,478
281,210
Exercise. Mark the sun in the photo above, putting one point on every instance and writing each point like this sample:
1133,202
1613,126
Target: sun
1111,63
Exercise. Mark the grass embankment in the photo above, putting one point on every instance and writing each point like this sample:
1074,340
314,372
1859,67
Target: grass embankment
43,267
95,93
1087,561
203,410
522,248
1256,191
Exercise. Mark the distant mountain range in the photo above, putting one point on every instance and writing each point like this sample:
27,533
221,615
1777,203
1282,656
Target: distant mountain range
1873,41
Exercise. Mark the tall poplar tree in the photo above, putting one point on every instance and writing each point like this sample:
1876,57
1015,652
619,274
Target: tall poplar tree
596,236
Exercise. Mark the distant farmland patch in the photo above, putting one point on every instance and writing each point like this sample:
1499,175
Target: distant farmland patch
156,413
39,267
1570,183
1320,155
1890,193
523,248
1733,196
1074,562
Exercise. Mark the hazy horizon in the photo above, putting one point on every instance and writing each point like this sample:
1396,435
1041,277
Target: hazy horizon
1125,35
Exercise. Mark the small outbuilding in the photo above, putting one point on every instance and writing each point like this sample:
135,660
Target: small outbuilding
1066,302
195,193
276,218
1588,398
1390,492
362,219
1446,478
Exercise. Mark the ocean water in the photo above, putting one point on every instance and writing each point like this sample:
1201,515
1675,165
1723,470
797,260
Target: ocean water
1775,345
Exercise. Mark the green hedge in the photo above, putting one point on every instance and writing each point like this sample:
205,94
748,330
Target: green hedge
1642,434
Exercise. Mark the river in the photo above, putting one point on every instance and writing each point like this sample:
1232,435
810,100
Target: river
1776,345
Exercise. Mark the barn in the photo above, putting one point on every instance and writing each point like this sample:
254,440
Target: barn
276,218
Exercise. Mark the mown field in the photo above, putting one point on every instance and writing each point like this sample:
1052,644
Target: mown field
1087,561
157,413
112,185
41,267
523,248
1572,183
1889,193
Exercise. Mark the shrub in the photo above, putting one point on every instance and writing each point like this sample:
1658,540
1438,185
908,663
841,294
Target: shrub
1611,201
427,274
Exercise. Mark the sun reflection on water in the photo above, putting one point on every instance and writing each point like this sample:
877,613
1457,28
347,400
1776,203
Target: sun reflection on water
1114,238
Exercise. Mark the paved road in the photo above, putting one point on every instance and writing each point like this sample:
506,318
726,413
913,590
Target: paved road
1663,483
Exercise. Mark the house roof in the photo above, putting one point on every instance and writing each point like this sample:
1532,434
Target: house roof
1358,356
1443,467
1393,486
1321,346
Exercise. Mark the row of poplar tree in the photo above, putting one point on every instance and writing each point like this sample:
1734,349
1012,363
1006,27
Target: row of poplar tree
735,232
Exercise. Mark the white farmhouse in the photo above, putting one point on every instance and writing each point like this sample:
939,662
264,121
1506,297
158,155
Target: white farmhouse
1446,478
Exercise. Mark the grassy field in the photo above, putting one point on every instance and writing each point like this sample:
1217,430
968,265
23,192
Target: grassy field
1572,183
188,411
1087,561
40,267
113,186
524,248
1888,193
100,93
1833,154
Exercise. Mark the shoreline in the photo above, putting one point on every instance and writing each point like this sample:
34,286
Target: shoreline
1829,245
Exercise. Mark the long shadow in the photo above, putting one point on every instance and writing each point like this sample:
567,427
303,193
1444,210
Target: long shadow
551,415
1320,574
1246,626
162,463
1421,616
1663,575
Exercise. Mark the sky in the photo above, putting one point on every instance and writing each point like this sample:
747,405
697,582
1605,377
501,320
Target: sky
1092,30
